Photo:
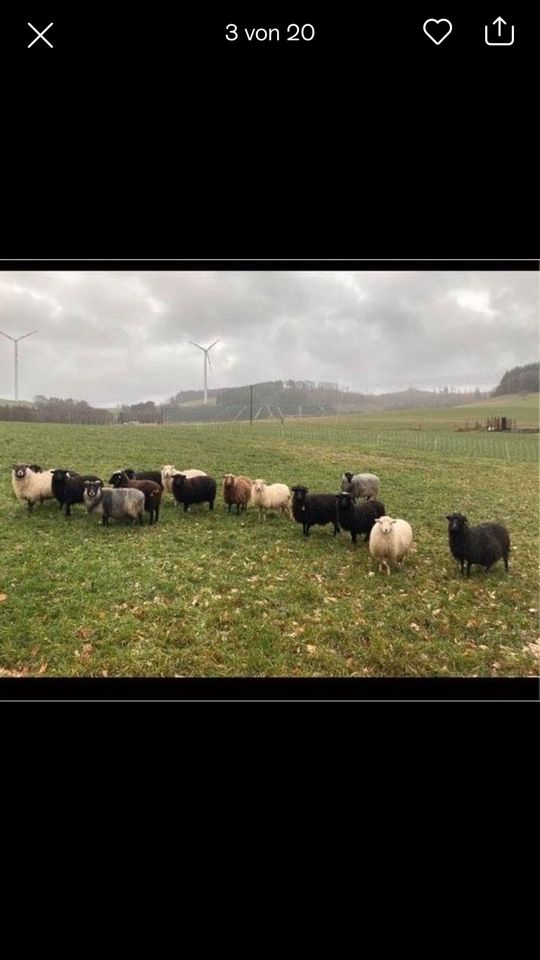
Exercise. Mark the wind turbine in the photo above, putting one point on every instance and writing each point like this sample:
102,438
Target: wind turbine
15,343
206,351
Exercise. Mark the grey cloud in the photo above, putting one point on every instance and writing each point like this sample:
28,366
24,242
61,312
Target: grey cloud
112,337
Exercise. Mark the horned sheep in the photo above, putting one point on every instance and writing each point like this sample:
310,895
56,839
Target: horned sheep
113,502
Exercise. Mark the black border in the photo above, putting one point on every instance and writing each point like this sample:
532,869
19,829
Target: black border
278,689
268,264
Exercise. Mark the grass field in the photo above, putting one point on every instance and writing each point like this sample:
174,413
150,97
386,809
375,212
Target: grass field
217,595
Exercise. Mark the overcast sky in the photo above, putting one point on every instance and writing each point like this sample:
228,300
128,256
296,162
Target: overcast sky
120,337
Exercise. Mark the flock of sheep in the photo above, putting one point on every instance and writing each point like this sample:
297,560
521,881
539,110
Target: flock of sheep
355,509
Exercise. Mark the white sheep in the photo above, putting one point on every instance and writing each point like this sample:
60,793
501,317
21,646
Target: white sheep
389,541
31,485
273,496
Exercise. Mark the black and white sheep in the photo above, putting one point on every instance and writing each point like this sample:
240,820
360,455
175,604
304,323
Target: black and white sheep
360,484
188,490
152,492
358,517
31,484
483,544
169,471
107,502
310,509
68,487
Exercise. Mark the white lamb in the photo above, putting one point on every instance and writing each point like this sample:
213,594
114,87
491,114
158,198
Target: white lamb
30,485
273,496
390,541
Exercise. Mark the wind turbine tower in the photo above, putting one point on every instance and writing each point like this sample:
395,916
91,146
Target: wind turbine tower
15,341
206,351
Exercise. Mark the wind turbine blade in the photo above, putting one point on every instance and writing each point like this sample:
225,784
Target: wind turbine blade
214,343
28,334
196,345
7,336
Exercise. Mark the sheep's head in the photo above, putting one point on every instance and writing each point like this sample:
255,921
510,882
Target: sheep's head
385,524
60,475
119,478
345,501
179,480
168,471
259,485
456,522
299,493
348,476
130,474
228,480
19,469
35,467
92,488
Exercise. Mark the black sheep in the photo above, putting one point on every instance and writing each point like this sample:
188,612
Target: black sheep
314,508
484,544
154,475
68,487
358,517
194,490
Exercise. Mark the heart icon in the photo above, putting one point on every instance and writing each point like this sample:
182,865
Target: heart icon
433,30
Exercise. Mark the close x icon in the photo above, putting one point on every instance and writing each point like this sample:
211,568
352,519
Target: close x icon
40,35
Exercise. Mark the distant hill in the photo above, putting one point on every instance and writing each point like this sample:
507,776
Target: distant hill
519,380
303,398
15,403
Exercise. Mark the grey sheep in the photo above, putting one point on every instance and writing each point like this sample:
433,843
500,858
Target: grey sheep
360,484
113,502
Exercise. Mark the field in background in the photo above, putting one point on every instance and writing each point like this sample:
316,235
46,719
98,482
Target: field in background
220,595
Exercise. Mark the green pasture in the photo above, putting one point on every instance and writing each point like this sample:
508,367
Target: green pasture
219,595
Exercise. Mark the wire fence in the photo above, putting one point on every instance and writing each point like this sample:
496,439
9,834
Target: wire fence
522,448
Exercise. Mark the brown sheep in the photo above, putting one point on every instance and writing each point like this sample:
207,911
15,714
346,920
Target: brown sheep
236,490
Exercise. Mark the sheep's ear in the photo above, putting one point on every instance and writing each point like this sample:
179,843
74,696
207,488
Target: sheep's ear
449,516
393,521
378,520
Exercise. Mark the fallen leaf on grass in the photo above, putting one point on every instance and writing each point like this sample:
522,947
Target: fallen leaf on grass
84,632
3,596
311,649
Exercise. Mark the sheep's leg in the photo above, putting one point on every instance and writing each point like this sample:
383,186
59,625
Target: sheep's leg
156,513
229,510
469,564
337,529
185,507
211,504
67,510
505,558
30,506
141,519
105,520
